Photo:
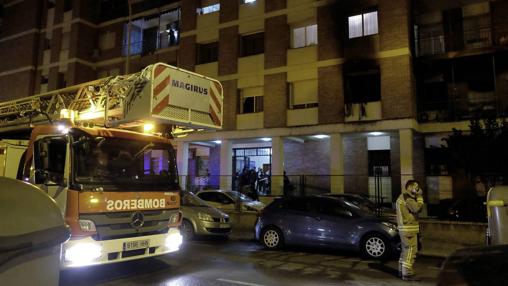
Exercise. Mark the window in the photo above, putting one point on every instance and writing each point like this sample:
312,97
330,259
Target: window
303,94
152,32
251,100
208,6
305,36
379,163
248,1
363,25
67,5
363,86
253,44
208,53
50,159
330,208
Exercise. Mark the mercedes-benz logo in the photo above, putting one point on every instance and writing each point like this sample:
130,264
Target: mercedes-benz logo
137,220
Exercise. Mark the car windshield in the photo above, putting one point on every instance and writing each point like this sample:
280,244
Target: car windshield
120,161
191,200
239,196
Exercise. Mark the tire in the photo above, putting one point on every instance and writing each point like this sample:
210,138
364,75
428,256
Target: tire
187,230
272,238
376,246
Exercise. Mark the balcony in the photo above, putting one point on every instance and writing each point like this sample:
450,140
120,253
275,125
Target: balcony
302,117
464,107
436,43
368,111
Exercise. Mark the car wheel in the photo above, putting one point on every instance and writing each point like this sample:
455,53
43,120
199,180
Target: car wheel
272,238
375,246
187,230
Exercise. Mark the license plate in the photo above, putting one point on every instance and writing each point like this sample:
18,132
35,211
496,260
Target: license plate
136,244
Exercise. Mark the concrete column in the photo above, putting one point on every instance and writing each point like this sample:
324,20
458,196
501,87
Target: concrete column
182,162
226,165
336,164
406,156
277,170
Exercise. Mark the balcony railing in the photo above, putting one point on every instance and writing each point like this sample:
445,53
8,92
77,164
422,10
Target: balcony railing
148,46
474,105
480,37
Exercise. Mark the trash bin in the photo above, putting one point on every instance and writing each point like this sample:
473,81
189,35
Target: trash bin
497,215
32,230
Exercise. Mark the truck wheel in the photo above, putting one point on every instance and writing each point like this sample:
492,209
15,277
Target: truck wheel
272,238
187,230
375,246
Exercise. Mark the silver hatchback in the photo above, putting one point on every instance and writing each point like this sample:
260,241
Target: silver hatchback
201,219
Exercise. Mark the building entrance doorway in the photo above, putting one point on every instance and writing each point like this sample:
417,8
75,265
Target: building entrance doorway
251,167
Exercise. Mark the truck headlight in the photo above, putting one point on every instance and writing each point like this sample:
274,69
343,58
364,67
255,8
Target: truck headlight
174,218
87,225
205,217
83,253
174,240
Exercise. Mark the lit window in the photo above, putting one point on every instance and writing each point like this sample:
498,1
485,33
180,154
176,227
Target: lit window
209,9
248,1
363,25
305,36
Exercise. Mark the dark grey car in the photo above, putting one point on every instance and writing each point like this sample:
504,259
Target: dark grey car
325,221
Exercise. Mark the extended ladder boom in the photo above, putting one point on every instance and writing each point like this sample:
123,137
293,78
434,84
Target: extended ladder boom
159,93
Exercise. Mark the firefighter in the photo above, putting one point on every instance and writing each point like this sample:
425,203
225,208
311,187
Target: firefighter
408,205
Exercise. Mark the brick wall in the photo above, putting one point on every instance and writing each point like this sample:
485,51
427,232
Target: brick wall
16,85
273,5
330,95
329,32
79,73
27,10
356,164
275,100
189,16
394,24
83,41
276,41
308,158
18,52
56,44
228,10
187,53
230,102
228,50
397,88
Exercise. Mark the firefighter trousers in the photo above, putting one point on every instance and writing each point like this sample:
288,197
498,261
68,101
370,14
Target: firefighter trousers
409,245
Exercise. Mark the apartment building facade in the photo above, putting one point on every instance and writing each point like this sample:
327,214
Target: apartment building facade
342,95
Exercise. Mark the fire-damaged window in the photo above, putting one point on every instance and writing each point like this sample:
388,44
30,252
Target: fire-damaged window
362,83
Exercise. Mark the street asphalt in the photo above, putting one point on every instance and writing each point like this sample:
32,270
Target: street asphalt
229,263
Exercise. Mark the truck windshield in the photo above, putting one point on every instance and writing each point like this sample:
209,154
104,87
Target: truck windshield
120,161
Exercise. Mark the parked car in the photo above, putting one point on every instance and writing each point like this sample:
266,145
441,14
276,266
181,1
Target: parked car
325,221
364,203
469,209
230,200
199,218
484,265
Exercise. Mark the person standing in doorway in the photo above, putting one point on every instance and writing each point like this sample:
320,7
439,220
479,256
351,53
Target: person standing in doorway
409,205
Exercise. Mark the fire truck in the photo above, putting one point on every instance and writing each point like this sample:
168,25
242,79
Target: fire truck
102,150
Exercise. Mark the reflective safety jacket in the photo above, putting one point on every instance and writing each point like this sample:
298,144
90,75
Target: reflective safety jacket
408,208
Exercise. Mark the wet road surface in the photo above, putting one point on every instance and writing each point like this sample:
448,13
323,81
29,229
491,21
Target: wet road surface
230,263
